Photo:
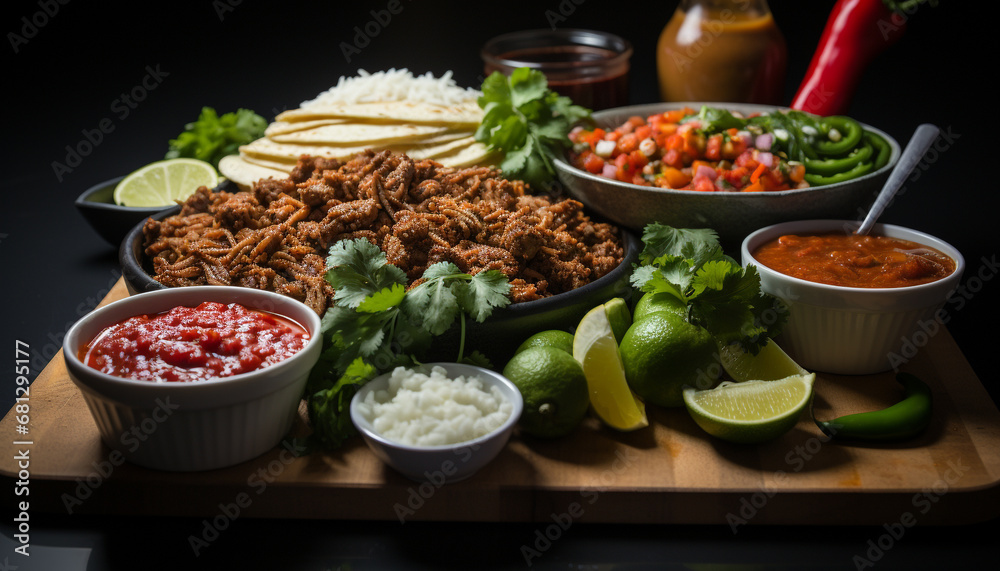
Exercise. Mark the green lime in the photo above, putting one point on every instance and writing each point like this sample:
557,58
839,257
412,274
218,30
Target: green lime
662,353
619,317
163,183
769,364
554,389
752,411
550,338
658,301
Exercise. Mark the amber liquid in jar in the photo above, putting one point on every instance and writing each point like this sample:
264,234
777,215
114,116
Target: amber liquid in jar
729,51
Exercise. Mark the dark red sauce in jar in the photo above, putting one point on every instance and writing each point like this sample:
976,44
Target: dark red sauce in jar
585,74
188,344
850,260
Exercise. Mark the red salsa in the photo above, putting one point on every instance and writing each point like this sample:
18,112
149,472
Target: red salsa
188,344
851,260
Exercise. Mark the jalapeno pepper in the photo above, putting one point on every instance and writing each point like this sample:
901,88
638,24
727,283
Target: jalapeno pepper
905,419
882,149
830,167
850,135
852,173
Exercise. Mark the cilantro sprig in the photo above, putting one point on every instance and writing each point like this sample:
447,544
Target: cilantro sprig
722,296
527,122
212,137
375,324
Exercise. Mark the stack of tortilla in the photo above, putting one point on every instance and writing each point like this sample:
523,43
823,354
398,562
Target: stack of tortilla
361,113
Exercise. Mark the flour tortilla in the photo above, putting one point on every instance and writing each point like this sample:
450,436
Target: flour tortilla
269,150
360,133
467,114
282,127
245,174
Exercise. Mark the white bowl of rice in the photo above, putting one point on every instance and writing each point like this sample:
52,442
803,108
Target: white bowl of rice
439,422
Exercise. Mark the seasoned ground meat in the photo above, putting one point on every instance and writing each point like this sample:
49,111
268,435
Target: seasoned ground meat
276,235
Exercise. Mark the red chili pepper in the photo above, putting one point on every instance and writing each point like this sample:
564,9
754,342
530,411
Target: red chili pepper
856,31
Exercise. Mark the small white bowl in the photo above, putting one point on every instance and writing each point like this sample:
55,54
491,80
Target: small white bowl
847,330
447,463
187,426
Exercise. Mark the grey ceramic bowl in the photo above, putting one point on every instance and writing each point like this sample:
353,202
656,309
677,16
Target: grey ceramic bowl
111,221
445,463
732,215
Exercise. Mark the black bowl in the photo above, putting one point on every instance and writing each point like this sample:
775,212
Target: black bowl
497,337
111,221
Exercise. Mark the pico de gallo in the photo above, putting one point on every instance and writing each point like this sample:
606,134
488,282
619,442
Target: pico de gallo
672,150
713,150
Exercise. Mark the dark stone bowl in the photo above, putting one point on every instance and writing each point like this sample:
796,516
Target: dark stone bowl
497,337
111,221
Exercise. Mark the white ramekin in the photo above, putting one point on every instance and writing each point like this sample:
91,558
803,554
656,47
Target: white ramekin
853,331
199,425
447,463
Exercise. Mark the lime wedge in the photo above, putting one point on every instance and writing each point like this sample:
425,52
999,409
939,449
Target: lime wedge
769,364
751,411
619,317
594,346
165,182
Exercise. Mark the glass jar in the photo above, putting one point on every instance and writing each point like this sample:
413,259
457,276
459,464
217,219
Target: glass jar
722,50
589,67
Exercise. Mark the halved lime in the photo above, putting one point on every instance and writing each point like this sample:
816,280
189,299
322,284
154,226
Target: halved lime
769,364
594,346
163,183
751,411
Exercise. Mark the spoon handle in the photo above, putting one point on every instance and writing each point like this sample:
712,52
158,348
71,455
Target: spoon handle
914,151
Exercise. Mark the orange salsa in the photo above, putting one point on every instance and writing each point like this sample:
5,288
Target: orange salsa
851,260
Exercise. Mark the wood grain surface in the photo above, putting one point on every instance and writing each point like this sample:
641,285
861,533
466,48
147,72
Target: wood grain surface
670,472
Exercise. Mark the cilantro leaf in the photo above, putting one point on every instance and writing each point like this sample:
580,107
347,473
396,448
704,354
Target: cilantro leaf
722,296
484,292
356,269
328,407
527,123
383,299
212,137
375,324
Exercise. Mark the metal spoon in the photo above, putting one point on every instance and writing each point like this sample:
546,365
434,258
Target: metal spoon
914,151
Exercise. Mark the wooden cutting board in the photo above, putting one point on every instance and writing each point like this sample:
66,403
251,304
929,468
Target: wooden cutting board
670,472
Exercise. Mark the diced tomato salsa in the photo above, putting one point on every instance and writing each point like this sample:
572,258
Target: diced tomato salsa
669,150
194,343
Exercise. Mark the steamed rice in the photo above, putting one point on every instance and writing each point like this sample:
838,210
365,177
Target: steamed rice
433,410
396,85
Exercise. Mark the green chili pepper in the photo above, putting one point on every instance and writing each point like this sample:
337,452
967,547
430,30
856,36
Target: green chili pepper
905,419
855,172
830,167
882,149
850,135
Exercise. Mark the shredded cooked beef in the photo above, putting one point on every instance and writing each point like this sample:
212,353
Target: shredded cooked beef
275,236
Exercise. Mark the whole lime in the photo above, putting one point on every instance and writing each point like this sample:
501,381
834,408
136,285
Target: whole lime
663,352
554,390
550,338
653,302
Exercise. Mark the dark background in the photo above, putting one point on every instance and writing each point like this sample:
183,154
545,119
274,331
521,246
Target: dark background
269,56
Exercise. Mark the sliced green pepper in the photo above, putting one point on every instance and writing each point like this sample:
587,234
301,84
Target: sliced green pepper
905,419
850,135
855,172
882,149
830,167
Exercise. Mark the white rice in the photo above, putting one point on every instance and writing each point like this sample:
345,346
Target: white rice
396,85
433,410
